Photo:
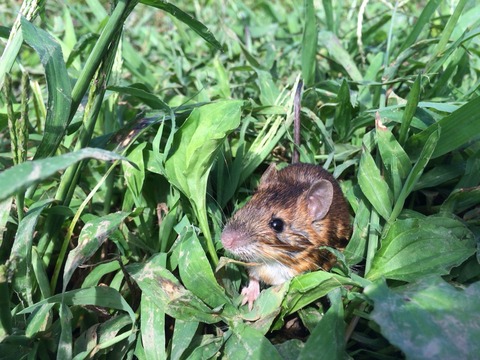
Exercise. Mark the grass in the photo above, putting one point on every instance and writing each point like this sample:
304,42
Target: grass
130,133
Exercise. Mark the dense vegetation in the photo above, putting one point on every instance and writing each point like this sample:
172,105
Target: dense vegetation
130,132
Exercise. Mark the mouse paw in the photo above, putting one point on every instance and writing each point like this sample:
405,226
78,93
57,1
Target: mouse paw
251,293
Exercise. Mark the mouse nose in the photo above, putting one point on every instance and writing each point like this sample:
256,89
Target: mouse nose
230,239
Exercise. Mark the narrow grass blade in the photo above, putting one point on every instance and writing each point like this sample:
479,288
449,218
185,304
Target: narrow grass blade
29,10
458,129
415,173
5,207
309,44
58,84
413,99
339,54
23,175
187,19
5,315
422,21
343,112
21,254
448,30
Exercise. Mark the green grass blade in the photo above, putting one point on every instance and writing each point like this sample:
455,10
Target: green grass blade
187,19
343,111
21,254
29,10
413,99
25,174
309,44
422,21
5,315
339,54
448,30
415,174
58,83
458,129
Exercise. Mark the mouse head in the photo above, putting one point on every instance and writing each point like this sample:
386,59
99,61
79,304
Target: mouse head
286,220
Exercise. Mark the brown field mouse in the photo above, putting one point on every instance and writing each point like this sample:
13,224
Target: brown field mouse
279,231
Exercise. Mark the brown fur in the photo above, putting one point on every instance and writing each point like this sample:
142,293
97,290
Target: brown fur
283,195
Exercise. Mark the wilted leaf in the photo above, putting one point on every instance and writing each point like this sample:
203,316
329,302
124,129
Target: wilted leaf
168,294
93,235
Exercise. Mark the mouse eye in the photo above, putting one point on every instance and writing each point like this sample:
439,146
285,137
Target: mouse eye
277,224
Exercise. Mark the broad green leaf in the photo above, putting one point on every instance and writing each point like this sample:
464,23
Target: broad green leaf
356,247
183,334
187,19
249,343
266,308
152,329
135,175
429,318
417,247
206,347
39,320
374,186
328,335
58,84
194,149
458,128
168,294
23,175
197,274
309,44
21,254
307,288
92,237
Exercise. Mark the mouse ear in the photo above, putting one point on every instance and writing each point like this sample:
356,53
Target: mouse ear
319,199
269,175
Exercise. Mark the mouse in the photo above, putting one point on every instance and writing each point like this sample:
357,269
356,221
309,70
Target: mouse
278,232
